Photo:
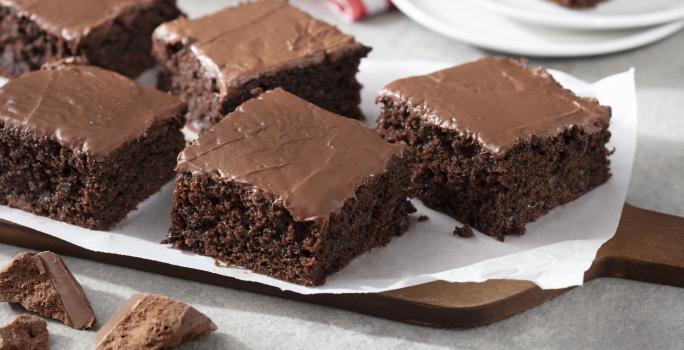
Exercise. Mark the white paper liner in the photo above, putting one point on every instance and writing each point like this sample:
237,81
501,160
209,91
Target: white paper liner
554,253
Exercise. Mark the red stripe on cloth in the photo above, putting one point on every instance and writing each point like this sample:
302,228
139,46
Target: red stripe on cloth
354,10
351,9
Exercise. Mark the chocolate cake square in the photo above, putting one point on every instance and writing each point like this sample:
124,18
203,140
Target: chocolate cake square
288,189
497,144
85,145
217,62
114,34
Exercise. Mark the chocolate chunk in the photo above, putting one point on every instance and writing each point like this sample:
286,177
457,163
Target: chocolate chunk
43,284
423,218
26,332
150,321
465,231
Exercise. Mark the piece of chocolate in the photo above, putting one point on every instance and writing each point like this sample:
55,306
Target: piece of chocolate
115,34
289,189
150,321
26,332
43,284
85,145
497,144
217,62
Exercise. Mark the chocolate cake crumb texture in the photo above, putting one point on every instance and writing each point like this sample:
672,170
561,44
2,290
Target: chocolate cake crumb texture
497,144
288,189
150,321
309,158
43,284
464,231
26,332
87,109
85,145
212,62
114,34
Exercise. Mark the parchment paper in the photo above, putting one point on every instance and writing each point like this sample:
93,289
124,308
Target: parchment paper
554,253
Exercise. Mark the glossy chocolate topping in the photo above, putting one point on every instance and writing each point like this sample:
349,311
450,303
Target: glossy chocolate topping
72,19
76,304
254,39
84,108
498,101
311,159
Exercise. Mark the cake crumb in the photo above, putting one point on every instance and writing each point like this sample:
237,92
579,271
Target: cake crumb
25,332
423,218
464,232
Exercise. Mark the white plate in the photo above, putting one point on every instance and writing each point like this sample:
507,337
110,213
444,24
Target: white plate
472,24
611,14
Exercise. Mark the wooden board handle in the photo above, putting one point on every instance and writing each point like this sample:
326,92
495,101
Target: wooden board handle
648,247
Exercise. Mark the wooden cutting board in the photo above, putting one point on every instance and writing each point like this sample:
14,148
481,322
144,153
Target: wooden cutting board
648,246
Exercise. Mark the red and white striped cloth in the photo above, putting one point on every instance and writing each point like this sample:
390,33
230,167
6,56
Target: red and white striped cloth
354,10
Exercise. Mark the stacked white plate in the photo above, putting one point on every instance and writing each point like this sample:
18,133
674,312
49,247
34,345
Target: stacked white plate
543,28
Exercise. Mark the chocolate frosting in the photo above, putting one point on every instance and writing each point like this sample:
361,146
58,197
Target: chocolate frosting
498,101
87,109
76,304
241,43
72,19
309,158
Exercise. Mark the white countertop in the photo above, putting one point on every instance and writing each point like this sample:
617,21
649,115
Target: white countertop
607,313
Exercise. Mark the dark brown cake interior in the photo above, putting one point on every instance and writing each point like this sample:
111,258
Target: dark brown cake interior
241,226
115,34
497,145
85,145
26,332
290,190
217,62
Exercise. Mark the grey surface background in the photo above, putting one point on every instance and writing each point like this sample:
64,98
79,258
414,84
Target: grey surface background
607,313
